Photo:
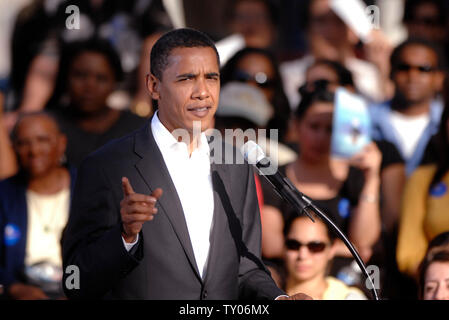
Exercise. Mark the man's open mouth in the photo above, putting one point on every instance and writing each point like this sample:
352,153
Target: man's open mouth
200,112
199,109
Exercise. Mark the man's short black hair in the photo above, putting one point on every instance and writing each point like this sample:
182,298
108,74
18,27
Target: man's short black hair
396,60
178,38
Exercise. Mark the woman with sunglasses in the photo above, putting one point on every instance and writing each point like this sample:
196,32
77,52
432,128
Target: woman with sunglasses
310,248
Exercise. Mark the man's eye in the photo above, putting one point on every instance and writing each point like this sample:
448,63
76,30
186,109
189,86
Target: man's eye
213,77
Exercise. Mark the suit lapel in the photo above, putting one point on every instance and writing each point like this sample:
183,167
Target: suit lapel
154,172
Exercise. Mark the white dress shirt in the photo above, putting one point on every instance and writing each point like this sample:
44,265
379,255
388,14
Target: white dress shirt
193,182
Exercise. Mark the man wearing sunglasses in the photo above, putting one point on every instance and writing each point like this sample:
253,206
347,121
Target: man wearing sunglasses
413,115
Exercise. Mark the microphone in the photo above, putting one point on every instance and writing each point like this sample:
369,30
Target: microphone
254,155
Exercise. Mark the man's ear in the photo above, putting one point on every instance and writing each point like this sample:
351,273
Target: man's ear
153,86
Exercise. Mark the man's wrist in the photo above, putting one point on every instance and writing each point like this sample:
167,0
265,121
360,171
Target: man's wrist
129,239
130,245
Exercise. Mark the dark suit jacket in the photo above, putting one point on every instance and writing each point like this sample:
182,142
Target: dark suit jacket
163,265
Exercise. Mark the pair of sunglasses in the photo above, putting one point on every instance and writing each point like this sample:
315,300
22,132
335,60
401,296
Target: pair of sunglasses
313,246
408,67
260,78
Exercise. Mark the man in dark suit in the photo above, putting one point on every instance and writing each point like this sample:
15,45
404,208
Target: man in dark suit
203,240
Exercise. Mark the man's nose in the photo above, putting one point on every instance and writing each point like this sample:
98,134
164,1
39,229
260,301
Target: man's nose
201,91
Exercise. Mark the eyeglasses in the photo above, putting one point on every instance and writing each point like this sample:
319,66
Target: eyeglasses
407,67
313,246
260,78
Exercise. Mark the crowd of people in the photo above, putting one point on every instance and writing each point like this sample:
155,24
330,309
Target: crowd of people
67,92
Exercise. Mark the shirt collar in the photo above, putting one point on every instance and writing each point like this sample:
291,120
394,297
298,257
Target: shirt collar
167,142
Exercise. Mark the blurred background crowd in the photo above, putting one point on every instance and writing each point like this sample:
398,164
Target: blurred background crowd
72,77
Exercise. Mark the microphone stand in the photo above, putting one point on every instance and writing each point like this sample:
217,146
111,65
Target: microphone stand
303,204
341,235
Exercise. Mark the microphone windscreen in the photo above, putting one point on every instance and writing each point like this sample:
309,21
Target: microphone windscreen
252,152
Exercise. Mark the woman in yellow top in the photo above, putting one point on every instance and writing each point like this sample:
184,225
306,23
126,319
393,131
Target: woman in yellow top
310,248
425,205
